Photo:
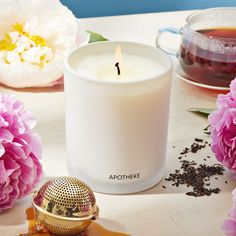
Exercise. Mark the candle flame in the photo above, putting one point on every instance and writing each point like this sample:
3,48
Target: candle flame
118,54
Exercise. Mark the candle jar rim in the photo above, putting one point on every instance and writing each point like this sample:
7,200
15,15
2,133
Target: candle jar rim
168,66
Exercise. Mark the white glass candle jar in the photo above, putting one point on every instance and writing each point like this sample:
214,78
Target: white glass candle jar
116,125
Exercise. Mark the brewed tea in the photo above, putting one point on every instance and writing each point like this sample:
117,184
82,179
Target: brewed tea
36,229
209,66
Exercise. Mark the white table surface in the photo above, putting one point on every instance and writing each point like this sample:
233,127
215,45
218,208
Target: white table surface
157,211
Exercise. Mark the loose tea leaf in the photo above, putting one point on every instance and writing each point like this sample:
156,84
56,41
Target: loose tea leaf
95,37
194,175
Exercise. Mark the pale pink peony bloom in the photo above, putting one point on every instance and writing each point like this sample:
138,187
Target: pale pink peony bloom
20,150
223,128
229,226
35,37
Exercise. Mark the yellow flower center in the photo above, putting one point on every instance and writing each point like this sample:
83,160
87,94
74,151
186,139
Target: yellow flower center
18,46
6,43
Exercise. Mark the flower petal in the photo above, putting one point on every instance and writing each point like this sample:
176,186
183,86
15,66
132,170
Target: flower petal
6,135
3,173
2,150
229,227
47,19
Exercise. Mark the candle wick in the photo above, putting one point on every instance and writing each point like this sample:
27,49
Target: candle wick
118,68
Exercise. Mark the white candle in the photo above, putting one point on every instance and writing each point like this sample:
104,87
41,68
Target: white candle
116,125
133,67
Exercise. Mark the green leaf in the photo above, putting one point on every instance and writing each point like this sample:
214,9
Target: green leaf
207,130
201,111
95,37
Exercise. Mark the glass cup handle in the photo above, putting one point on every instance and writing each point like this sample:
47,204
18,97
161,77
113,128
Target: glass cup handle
173,30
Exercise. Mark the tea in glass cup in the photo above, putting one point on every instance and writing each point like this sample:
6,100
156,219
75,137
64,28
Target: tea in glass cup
207,52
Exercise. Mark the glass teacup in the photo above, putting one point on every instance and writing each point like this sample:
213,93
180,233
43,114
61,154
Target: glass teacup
207,52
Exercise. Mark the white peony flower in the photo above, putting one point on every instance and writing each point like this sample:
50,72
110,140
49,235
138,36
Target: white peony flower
35,36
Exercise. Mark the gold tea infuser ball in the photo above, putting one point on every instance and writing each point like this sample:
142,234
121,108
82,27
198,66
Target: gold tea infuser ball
65,206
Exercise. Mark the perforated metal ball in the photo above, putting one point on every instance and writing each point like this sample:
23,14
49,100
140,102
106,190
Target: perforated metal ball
65,205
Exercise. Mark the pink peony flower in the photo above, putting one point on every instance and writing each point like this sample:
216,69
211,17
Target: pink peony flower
20,150
223,128
229,226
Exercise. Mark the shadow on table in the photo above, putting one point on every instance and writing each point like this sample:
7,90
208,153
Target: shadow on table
111,225
52,89
17,214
